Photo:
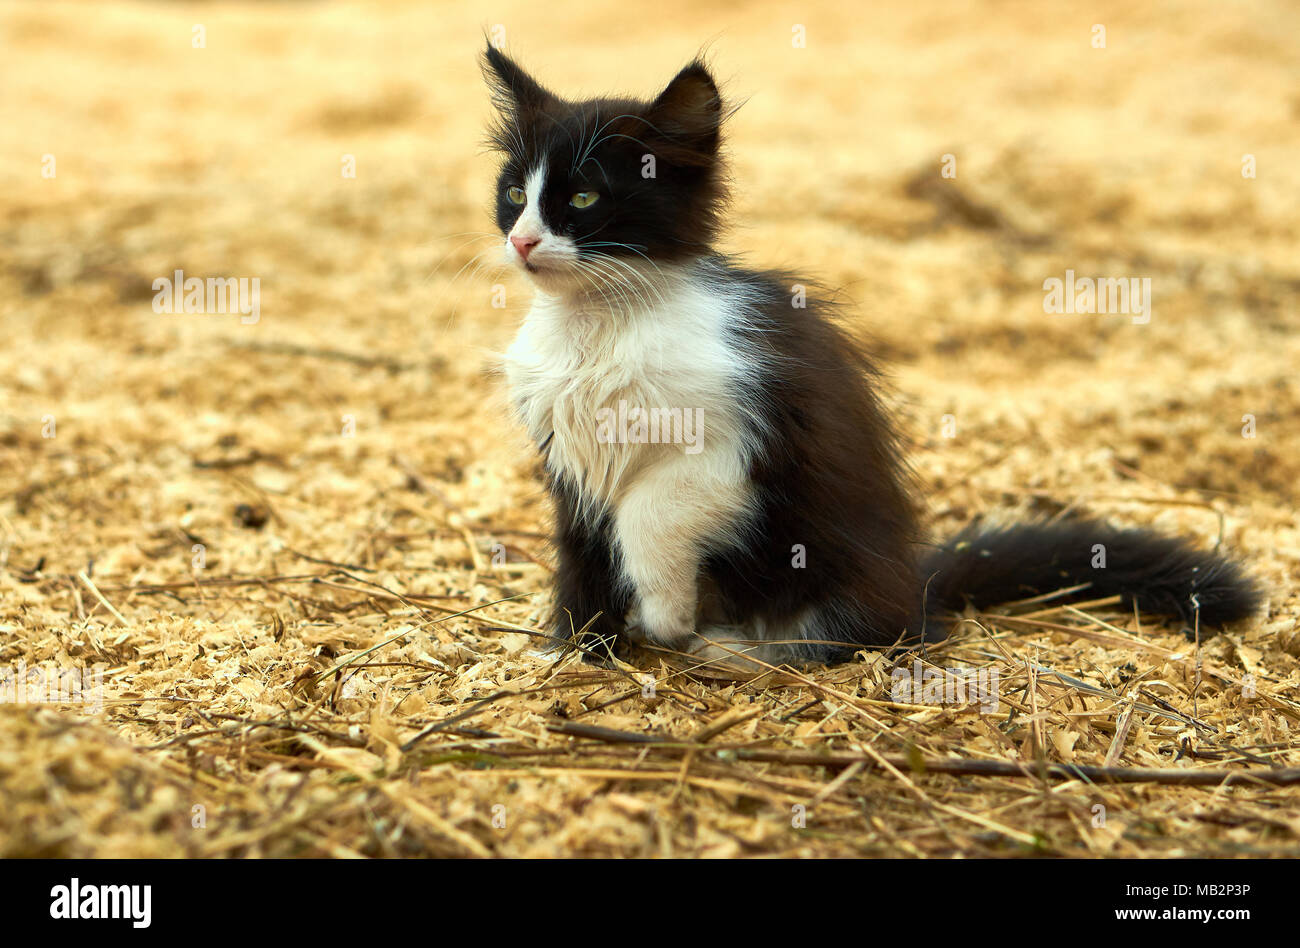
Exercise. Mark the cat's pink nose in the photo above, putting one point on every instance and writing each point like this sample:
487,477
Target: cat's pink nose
525,245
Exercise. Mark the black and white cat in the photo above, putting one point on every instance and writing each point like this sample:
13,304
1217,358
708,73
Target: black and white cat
787,529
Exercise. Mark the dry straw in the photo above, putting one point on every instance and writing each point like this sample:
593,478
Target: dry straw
309,555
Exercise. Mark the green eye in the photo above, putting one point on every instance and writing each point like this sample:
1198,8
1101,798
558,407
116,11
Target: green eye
584,199
516,194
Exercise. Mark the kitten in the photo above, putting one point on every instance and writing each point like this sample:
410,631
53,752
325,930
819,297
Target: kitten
787,530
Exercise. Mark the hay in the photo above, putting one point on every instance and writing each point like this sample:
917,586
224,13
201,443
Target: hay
308,554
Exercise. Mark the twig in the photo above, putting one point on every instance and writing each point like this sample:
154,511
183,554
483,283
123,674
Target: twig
959,767
726,722
1121,734
81,575
606,734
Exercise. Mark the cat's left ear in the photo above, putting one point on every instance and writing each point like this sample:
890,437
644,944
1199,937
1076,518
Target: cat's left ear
689,110
513,90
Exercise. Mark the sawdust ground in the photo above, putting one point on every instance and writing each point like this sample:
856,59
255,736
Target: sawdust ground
181,436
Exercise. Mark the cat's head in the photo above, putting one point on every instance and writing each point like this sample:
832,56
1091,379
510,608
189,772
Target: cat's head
593,190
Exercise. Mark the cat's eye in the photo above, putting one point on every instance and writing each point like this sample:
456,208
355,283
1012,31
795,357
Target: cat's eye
584,199
516,194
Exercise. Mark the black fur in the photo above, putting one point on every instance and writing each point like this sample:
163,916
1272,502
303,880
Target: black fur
1158,574
590,602
828,472
830,480
603,145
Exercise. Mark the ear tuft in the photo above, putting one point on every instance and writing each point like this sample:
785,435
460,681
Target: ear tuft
513,89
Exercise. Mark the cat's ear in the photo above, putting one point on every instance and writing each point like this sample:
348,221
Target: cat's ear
689,110
513,90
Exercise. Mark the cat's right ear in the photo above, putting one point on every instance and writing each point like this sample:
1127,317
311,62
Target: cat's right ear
513,90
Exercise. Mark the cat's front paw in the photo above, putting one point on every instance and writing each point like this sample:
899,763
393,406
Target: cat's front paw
662,621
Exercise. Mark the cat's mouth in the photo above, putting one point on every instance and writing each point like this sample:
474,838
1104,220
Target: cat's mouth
548,270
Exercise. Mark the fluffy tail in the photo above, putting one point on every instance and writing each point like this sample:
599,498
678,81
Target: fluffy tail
1158,574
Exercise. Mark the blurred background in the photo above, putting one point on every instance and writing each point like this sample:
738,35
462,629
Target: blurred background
214,138
933,162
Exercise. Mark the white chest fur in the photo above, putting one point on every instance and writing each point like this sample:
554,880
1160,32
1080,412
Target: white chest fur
582,378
